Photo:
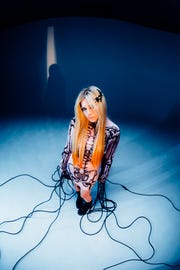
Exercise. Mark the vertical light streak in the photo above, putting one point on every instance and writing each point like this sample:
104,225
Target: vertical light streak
51,50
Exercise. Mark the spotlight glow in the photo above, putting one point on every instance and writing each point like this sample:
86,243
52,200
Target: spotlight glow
51,51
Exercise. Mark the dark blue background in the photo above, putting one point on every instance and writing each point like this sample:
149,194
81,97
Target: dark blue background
136,67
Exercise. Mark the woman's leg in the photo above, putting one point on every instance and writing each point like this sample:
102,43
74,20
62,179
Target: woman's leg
84,200
87,200
77,188
86,194
79,200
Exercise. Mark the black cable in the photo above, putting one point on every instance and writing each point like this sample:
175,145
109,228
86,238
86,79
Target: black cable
107,207
102,199
41,240
109,210
25,174
58,189
28,216
143,194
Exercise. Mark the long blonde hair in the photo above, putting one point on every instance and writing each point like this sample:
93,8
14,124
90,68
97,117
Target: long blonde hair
95,99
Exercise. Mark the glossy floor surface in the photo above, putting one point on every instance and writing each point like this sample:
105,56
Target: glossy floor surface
40,227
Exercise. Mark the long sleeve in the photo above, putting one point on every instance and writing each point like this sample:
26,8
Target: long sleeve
67,149
111,143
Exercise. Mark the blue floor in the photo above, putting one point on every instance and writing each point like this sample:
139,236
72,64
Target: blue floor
142,233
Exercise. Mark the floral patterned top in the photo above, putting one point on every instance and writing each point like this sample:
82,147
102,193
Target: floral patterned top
112,137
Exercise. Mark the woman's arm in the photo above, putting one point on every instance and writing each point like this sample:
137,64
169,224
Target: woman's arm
67,149
111,143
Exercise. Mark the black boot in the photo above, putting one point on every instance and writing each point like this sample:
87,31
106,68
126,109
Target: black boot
79,201
85,207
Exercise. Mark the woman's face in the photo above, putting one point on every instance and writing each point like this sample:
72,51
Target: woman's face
90,113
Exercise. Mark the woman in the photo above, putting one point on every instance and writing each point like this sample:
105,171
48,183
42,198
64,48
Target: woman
91,142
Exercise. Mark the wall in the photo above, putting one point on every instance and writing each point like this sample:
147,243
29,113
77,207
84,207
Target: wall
136,67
